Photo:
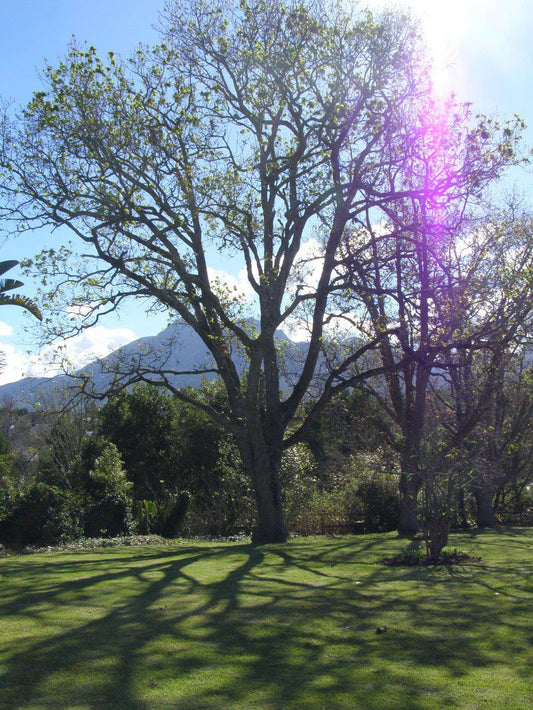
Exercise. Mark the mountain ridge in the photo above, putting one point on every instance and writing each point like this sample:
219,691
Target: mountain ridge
176,348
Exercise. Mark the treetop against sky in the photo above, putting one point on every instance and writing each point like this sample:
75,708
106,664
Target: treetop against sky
482,51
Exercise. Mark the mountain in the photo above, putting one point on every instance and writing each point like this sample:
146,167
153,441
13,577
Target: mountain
177,348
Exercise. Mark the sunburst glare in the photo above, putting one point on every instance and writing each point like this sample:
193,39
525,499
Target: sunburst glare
467,37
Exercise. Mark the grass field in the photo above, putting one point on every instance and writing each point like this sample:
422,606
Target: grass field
232,625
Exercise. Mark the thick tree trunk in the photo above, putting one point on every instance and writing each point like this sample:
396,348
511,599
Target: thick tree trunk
409,486
484,507
270,525
264,472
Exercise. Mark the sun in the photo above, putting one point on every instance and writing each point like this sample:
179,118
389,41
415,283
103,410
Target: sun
444,26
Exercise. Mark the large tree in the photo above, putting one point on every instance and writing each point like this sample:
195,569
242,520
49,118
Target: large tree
254,131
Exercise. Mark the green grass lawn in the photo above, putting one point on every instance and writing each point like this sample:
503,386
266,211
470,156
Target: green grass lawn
232,625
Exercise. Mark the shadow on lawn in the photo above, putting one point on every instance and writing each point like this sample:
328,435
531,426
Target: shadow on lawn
242,626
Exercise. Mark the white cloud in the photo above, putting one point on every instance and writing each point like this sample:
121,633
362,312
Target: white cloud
304,278
235,285
95,342
297,329
308,265
5,330
15,363
79,311
74,353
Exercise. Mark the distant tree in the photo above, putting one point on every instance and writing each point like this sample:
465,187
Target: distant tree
499,451
345,426
23,433
143,425
165,444
8,468
64,438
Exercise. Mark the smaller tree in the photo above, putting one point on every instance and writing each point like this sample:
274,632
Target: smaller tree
500,449
108,475
105,491
144,425
438,508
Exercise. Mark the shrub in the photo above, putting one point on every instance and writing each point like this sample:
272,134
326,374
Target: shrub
8,502
8,472
107,475
526,505
43,516
319,511
172,513
110,516
222,501
357,491
306,505
165,518
375,501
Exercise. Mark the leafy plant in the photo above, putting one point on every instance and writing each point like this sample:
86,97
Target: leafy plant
146,514
15,299
108,474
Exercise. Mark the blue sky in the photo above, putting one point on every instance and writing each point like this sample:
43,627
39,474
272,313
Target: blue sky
482,48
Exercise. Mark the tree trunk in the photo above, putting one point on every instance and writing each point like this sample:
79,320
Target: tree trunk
461,510
270,525
485,510
409,486
436,536
264,472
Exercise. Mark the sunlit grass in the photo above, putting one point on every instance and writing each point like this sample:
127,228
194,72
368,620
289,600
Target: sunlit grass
232,625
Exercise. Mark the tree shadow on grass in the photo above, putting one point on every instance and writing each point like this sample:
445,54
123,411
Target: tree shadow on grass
498,530
243,626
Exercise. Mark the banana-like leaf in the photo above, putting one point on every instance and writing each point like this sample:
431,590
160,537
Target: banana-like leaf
6,265
15,299
9,284
23,302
